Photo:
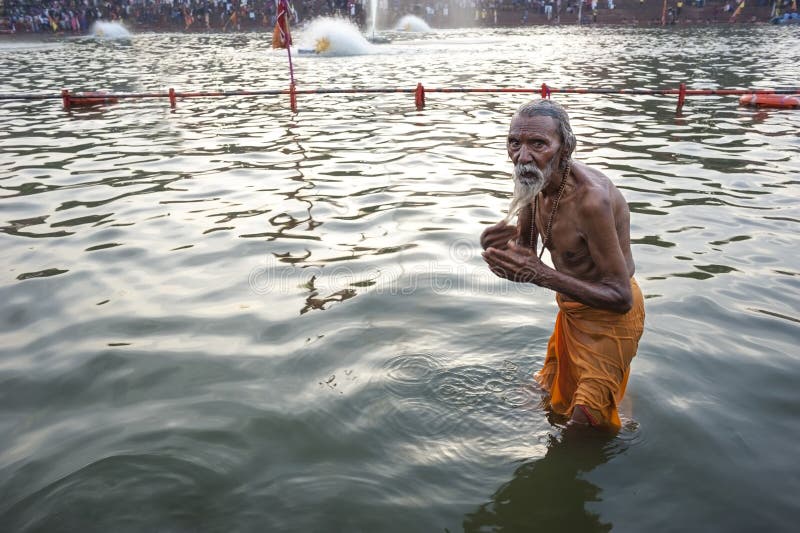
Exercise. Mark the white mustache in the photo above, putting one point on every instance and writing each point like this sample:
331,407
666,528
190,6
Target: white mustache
527,172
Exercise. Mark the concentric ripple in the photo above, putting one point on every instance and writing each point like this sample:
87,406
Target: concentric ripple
408,373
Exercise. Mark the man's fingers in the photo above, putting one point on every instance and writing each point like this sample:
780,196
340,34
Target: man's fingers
499,272
510,265
505,255
501,259
496,241
504,234
499,242
497,235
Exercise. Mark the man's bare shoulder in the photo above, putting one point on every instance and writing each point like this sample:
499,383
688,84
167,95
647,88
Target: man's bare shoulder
595,190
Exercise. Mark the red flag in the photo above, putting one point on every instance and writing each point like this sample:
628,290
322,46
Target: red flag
281,37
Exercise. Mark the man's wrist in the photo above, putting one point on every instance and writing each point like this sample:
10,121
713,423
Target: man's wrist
540,275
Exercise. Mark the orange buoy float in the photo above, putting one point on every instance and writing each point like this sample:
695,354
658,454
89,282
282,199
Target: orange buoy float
91,98
770,100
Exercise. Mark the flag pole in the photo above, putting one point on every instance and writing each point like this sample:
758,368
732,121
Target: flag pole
285,39
292,94
288,39
291,67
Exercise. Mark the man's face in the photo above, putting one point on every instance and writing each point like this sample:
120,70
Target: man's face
534,144
535,149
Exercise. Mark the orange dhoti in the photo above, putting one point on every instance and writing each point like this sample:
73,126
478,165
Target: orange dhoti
589,356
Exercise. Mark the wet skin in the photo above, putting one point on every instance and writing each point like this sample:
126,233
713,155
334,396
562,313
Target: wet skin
590,246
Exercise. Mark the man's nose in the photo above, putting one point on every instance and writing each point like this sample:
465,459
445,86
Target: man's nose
524,156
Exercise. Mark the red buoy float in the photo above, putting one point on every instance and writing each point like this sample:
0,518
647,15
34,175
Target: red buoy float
770,100
91,98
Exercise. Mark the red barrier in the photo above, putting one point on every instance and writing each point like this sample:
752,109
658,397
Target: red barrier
681,97
68,99
91,98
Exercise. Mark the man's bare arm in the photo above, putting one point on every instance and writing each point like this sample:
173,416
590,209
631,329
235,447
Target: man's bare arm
610,291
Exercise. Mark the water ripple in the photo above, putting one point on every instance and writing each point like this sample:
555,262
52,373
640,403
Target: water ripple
226,315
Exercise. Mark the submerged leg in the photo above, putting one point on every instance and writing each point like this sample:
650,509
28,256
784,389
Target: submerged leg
584,416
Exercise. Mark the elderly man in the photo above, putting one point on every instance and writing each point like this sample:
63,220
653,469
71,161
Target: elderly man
584,222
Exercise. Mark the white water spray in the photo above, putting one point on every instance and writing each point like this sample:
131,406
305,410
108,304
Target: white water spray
110,30
334,37
373,6
412,24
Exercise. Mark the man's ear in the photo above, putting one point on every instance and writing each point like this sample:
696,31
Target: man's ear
562,161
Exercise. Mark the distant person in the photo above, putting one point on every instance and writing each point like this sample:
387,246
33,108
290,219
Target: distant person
233,20
584,221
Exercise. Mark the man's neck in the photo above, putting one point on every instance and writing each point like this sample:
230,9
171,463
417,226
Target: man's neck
553,186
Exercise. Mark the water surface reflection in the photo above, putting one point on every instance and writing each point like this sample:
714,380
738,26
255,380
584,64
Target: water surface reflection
551,492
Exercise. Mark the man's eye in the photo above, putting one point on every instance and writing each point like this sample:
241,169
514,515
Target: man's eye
513,144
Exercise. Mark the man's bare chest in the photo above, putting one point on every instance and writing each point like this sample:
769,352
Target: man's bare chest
568,247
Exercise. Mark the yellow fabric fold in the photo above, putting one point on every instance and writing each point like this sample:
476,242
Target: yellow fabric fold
588,357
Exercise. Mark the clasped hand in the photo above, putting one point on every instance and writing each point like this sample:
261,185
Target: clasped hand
506,258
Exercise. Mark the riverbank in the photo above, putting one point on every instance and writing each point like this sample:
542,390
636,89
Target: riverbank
484,15
610,21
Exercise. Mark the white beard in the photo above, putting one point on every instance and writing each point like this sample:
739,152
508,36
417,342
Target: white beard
528,182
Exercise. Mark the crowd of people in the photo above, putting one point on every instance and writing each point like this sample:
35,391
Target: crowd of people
77,16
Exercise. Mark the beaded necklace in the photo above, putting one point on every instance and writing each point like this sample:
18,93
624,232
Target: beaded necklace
548,234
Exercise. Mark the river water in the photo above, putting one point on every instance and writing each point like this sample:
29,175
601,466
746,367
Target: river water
227,317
